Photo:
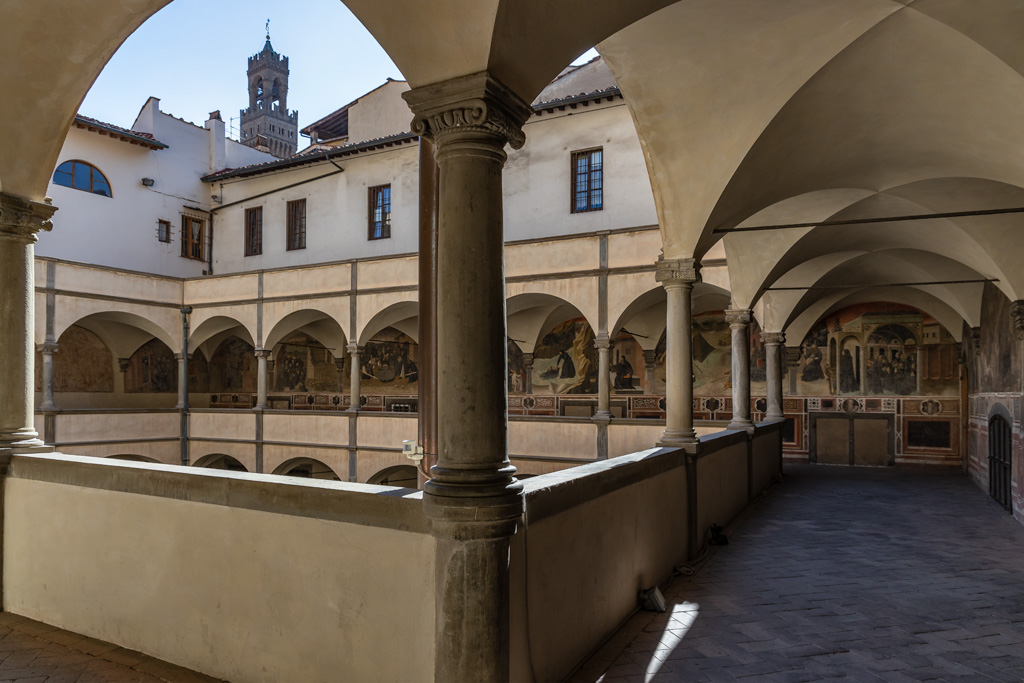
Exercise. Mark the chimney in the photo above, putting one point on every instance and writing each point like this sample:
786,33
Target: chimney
217,141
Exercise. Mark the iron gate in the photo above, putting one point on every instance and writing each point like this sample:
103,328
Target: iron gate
1000,460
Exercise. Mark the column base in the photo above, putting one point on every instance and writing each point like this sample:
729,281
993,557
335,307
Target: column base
769,416
678,440
602,415
742,425
25,448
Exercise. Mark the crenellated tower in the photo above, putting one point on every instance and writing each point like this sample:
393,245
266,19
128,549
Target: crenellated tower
267,124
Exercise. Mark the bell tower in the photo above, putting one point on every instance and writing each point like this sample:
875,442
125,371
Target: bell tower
267,124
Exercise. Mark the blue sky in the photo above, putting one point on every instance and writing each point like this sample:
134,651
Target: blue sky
192,55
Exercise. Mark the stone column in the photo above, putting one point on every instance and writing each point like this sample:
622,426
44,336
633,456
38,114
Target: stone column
20,222
472,498
920,367
678,277
528,369
793,362
47,349
182,379
864,370
739,324
604,389
773,342
355,371
261,378
650,365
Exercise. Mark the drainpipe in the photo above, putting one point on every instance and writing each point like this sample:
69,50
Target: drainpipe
184,403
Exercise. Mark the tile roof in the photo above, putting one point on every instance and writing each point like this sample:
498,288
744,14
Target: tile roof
116,132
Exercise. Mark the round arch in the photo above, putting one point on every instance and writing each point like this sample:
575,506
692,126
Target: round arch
132,457
306,468
402,476
401,315
220,461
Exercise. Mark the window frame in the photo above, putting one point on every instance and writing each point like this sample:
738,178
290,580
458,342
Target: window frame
379,229
581,200
253,231
163,231
295,233
93,173
191,248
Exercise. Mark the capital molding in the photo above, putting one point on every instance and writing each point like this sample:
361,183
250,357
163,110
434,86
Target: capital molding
477,104
738,317
1017,314
47,347
23,218
678,270
123,364
793,354
179,356
262,353
773,337
354,348
975,336
602,341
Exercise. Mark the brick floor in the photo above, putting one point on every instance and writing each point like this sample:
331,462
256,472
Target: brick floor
843,574
33,652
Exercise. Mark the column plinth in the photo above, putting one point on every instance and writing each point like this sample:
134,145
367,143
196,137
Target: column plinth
773,345
678,277
20,222
472,497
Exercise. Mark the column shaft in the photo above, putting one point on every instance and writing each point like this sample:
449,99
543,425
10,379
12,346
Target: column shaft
182,380
355,371
678,277
739,325
20,220
528,369
47,349
650,364
773,344
261,378
604,388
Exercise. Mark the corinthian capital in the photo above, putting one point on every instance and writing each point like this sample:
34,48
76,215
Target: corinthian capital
678,270
773,337
23,218
738,317
475,104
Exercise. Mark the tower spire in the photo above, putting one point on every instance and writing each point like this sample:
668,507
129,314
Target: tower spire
267,47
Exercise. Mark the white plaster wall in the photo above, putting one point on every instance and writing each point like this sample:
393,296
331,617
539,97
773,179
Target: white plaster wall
537,177
379,113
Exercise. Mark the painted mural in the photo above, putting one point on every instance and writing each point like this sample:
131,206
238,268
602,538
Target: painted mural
302,364
82,364
152,369
516,369
233,367
878,349
565,360
998,355
627,365
389,364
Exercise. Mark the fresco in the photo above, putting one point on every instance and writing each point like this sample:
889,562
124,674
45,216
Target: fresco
83,363
389,364
627,365
152,369
565,360
302,364
878,349
998,355
233,367
516,369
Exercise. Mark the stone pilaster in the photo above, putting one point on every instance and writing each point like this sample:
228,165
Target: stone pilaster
355,374
47,349
472,498
261,378
678,276
603,346
739,325
975,333
1017,315
20,222
773,345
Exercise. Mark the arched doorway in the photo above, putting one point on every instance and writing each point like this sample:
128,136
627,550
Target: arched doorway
1000,461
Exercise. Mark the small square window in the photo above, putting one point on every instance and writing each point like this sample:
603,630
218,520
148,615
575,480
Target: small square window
254,231
587,178
163,231
380,212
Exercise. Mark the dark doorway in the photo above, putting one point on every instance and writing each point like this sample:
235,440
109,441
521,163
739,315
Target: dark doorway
1000,460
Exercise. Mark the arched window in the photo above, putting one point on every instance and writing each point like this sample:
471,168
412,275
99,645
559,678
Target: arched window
82,176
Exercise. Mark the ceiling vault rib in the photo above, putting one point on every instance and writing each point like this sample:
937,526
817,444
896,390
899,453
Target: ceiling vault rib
885,284
879,219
